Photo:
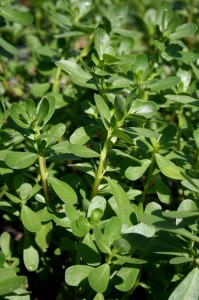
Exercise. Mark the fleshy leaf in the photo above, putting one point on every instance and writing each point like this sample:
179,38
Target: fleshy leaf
63,190
188,287
30,219
75,275
99,278
168,168
20,160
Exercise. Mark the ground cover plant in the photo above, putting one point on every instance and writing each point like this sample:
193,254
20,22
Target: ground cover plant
99,150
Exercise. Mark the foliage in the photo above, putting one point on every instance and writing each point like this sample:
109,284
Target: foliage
99,150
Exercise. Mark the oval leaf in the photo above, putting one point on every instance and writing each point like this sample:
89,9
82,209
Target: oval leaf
188,288
76,274
9,281
82,151
20,160
168,168
77,74
64,191
127,276
165,83
30,219
183,31
99,278
30,255
102,41
143,108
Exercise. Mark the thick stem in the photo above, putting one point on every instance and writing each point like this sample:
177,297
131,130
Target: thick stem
43,172
101,167
56,79
148,181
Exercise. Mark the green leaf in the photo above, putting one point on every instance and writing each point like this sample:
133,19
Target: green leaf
2,259
30,255
25,191
163,15
80,227
98,296
165,83
180,260
128,277
75,275
181,214
8,47
45,109
118,83
196,137
100,240
39,89
141,132
56,132
44,50
119,194
30,219
103,110
183,31
6,245
112,230
97,202
188,287
43,236
165,224
101,41
141,64
119,105
167,134
82,135
168,168
20,17
135,172
89,251
143,108
9,281
64,191
121,260
185,77
99,278
173,24
77,74
162,190
82,151
191,184
20,160
121,246
195,70
181,99
19,115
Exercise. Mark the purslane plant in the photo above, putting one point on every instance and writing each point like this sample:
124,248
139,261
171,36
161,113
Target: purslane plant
116,199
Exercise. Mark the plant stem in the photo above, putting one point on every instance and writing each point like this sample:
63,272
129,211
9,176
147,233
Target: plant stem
101,167
148,181
76,289
56,79
197,163
43,171
179,126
